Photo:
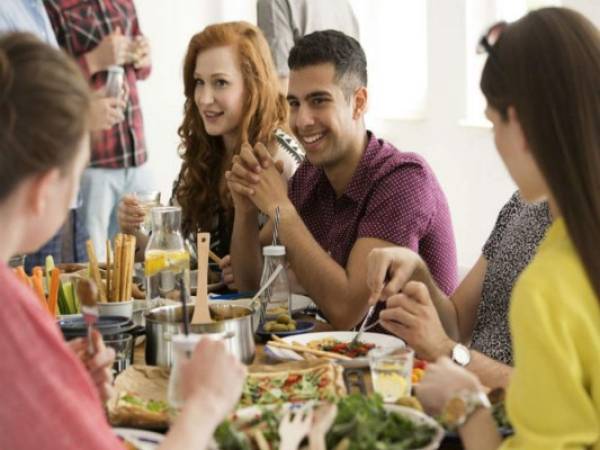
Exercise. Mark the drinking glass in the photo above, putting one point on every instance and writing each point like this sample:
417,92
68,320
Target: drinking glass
391,372
147,201
123,347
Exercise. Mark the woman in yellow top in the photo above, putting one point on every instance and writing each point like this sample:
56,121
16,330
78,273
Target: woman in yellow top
542,85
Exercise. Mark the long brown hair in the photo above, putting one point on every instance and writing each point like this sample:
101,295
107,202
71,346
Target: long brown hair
547,66
44,106
265,110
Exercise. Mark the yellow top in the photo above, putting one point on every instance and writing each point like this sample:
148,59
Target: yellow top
554,396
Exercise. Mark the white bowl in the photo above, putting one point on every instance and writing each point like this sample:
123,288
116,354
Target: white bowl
123,309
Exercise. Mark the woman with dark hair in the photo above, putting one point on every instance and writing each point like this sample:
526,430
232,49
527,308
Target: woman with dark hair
231,98
53,397
541,82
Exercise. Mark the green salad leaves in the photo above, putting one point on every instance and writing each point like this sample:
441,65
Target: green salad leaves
368,426
361,421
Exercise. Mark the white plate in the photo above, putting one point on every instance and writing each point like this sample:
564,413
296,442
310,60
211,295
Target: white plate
142,439
380,341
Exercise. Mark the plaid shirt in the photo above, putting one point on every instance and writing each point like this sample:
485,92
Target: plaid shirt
79,27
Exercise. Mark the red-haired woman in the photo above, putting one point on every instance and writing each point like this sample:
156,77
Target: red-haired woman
232,98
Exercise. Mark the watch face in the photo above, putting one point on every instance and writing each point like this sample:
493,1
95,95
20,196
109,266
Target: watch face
461,355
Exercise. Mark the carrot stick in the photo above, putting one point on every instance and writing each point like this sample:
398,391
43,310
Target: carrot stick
38,286
37,271
53,296
20,271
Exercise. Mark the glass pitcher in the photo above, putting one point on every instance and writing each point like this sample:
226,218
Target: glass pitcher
277,298
167,262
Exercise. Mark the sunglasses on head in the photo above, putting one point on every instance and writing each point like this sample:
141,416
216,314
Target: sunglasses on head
490,37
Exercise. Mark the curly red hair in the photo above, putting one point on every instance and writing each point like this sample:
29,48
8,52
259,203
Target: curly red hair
199,189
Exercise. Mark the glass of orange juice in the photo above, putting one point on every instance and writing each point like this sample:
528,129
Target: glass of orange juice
391,372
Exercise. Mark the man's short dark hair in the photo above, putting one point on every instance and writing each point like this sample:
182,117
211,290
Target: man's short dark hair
335,47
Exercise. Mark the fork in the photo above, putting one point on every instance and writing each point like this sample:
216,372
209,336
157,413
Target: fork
363,325
293,430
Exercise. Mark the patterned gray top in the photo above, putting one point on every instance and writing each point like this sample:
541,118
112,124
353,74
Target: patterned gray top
512,244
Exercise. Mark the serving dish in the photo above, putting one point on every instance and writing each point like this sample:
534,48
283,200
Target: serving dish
377,339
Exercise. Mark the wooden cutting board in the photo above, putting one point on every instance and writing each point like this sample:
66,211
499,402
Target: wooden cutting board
201,311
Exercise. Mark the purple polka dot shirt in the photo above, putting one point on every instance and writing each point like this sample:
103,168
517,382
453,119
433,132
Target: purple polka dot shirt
393,196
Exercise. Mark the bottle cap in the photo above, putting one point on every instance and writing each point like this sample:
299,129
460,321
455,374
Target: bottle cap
274,250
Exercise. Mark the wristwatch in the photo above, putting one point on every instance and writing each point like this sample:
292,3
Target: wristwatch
461,355
460,407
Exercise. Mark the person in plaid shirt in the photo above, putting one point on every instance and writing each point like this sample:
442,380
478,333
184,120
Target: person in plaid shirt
99,34
69,242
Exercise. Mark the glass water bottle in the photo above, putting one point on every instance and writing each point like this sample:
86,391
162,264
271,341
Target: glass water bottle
167,262
277,298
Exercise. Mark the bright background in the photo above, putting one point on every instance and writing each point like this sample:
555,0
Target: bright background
423,73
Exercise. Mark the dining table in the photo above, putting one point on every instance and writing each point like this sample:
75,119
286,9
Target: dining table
358,376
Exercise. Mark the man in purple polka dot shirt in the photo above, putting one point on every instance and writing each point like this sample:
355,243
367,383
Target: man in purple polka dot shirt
353,193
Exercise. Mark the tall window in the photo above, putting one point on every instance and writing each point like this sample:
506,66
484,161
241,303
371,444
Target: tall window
393,34
480,15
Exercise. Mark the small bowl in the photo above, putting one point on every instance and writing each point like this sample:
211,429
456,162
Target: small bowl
123,309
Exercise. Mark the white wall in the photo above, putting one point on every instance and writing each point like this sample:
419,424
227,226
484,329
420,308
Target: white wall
169,26
463,157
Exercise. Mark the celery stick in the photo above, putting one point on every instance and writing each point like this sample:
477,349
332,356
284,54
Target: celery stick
49,267
63,306
67,288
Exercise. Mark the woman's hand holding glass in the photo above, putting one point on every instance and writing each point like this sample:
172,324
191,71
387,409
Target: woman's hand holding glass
130,214
213,377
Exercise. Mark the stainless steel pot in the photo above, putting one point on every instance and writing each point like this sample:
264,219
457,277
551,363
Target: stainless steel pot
234,323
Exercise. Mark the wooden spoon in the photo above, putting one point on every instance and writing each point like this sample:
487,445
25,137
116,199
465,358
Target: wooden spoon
201,311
